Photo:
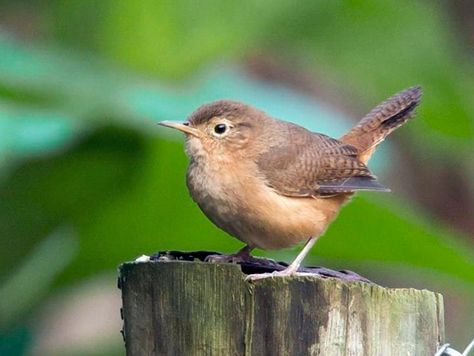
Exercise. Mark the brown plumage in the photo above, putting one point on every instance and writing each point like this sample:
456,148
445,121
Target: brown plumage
381,121
272,183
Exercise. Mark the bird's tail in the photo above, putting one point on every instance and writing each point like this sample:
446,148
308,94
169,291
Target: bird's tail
381,121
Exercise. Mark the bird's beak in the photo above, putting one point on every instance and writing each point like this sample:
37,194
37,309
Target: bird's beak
181,126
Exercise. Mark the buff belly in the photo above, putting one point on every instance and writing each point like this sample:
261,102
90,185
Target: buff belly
254,213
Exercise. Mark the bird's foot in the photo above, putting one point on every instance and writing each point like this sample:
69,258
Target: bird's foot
287,272
242,256
319,272
234,258
237,258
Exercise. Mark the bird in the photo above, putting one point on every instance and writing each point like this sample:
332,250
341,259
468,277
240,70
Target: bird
273,184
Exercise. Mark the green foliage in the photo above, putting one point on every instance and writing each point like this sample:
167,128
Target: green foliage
45,193
78,150
369,46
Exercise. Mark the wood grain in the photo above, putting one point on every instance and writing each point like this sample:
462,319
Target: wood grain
195,308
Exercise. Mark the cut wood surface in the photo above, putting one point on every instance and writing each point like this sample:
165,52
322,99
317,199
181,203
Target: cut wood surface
195,308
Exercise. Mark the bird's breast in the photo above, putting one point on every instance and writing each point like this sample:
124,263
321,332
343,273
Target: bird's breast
235,198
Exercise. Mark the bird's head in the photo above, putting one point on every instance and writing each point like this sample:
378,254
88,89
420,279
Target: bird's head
220,128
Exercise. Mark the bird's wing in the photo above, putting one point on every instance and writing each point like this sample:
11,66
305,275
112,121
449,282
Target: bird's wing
310,164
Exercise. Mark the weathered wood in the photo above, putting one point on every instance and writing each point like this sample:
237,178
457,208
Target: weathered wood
194,308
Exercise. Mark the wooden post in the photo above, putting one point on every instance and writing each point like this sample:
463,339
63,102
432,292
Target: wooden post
195,308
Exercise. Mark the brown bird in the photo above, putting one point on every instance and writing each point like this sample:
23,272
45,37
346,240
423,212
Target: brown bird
273,184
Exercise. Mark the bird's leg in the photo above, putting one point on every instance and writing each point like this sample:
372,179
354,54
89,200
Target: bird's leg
292,269
244,253
240,256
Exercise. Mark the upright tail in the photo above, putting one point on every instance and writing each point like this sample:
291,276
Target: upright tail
381,121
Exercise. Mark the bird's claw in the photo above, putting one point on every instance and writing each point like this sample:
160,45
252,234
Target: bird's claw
223,259
284,273
237,258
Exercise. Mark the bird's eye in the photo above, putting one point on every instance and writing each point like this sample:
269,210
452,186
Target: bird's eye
220,129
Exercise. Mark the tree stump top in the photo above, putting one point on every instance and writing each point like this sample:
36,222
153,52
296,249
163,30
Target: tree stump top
197,308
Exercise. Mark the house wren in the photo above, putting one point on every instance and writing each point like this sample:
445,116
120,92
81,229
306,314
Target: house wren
273,184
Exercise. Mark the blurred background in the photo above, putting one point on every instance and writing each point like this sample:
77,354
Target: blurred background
88,180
